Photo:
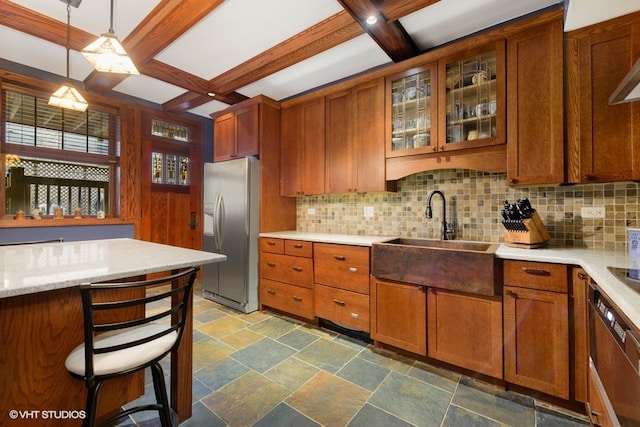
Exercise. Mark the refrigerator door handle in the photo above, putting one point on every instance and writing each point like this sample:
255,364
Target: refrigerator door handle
221,222
216,221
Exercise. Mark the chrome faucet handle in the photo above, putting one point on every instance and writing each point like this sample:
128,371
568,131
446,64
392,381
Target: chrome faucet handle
450,231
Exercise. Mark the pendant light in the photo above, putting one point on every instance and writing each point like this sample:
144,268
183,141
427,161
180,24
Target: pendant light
68,96
107,54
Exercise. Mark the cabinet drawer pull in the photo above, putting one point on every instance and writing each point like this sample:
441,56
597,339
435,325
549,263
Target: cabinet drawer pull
353,270
339,257
298,269
271,291
297,246
582,276
536,271
270,243
271,264
296,298
337,301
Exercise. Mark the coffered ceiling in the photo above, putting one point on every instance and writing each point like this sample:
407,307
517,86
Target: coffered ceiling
236,49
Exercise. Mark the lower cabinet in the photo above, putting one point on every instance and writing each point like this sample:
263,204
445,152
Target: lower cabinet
345,308
536,326
292,299
465,330
599,408
399,315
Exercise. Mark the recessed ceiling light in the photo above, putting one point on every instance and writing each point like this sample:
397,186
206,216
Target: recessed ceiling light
372,20
211,94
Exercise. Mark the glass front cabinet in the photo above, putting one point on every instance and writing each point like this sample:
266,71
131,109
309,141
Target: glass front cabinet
455,103
412,111
472,104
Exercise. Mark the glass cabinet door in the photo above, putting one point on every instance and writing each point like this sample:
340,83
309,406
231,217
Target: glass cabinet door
412,109
473,97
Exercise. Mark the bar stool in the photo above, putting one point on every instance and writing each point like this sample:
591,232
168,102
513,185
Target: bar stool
117,342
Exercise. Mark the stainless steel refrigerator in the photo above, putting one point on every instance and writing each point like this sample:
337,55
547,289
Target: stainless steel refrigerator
230,227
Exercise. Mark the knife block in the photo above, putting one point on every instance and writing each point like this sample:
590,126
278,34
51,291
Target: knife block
535,236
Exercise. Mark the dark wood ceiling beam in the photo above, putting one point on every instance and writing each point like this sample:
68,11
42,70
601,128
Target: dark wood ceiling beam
329,33
389,35
396,9
189,100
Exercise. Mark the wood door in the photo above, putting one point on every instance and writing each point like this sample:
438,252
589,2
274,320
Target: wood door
339,150
247,135
536,340
579,333
603,140
302,148
369,133
399,315
472,341
171,213
535,152
224,138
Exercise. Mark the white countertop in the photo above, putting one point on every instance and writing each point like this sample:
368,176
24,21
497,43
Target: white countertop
343,239
26,269
594,262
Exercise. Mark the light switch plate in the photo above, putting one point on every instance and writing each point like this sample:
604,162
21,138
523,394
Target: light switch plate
368,211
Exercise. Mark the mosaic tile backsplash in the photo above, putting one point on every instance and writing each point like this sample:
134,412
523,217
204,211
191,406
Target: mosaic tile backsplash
474,202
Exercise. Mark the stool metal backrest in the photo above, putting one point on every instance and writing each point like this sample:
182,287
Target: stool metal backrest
118,342
33,242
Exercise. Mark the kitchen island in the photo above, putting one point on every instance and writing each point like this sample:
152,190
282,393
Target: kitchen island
41,322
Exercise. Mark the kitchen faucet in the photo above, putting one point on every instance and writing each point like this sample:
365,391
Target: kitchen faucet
447,231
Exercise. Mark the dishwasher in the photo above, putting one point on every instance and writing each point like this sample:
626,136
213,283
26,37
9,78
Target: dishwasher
615,352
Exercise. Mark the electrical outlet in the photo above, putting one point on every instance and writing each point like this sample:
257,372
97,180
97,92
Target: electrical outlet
593,212
368,211
311,211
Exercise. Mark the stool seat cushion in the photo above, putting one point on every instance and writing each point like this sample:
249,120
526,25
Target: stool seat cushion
125,359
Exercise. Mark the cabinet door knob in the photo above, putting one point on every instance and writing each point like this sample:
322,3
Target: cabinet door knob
271,291
513,181
270,243
353,270
298,269
296,298
297,246
271,264
339,302
589,177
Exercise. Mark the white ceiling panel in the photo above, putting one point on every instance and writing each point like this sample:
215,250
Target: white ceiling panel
581,13
334,64
448,20
148,88
93,15
210,107
240,29
37,53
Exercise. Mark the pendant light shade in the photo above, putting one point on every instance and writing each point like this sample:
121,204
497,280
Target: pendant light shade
68,96
107,54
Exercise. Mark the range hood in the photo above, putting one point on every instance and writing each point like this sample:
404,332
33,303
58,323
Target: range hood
629,88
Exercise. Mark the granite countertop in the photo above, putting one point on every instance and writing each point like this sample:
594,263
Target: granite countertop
594,262
42,267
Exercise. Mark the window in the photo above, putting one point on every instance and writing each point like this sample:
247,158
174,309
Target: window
57,157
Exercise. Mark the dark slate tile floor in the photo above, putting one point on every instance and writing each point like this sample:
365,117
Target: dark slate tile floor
263,369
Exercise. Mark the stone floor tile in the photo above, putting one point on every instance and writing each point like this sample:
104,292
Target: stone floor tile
292,373
242,338
263,355
460,417
370,416
222,327
327,355
220,373
298,339
284,415
493,406
273,327
363,373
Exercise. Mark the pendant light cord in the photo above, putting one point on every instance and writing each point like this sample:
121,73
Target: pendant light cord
111,22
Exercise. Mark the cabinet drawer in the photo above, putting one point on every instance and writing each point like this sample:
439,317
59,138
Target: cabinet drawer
288,269
345,308
536,275
344,267
288,298
275,246
298,248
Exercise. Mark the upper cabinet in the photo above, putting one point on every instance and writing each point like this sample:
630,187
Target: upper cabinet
471,103
411,110
302,148
354,139
535,149
236,130
605,139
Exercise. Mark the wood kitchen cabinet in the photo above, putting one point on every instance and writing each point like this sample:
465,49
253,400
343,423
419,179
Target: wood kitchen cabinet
286,276
399,315
535,149
341,284
536,326
355,147
237,131
471,99
465,330
603,140
302,148
579,333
